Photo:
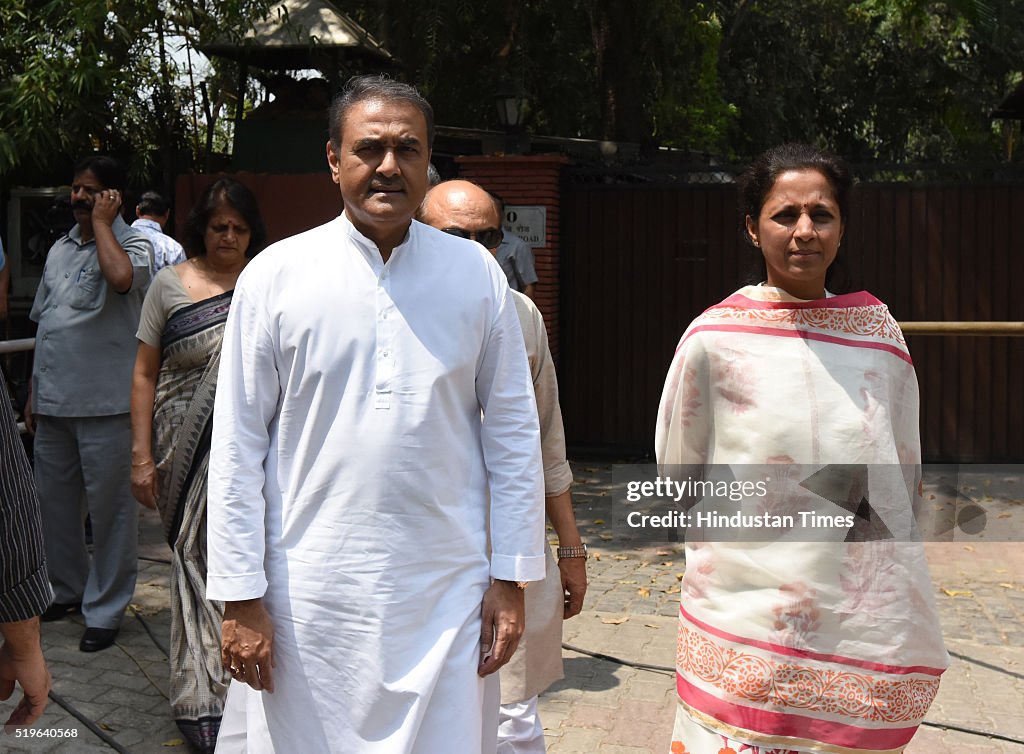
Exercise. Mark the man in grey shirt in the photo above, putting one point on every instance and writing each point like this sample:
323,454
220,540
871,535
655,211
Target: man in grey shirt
88,306
516,258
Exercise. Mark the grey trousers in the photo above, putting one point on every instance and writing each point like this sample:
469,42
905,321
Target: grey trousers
84,464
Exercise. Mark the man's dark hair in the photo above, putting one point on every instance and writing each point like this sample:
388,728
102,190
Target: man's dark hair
375,87
107,170
241,199
153,204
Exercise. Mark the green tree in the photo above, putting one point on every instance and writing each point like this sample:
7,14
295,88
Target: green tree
600,69
104,75
892,80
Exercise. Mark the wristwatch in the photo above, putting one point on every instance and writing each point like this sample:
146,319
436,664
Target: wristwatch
579,551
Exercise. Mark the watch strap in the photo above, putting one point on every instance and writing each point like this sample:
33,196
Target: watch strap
579,551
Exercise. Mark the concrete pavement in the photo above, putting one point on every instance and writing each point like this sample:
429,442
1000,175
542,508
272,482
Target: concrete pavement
601,707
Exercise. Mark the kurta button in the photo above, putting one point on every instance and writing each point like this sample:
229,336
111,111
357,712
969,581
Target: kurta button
67,274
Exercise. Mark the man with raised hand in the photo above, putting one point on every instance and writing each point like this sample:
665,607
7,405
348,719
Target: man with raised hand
88,306
373,389
466,210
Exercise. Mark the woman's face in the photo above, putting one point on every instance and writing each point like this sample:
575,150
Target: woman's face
798,232
227,233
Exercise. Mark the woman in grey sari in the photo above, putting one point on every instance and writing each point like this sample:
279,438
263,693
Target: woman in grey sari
172,410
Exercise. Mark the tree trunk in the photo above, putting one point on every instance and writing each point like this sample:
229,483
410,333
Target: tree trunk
619,53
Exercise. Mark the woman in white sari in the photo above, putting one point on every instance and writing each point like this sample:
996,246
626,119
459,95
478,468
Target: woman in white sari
801,646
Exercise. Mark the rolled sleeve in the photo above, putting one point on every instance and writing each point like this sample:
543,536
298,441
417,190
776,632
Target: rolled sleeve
140,252
510,436
244,409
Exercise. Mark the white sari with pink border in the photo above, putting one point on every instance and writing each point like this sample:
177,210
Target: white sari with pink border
793,645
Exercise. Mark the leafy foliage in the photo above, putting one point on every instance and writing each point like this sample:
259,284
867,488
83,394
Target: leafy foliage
888,80
111,75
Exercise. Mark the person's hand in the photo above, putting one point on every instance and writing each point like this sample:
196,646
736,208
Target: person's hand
144,485
503,612
105,206
247,640
30,422
573,572
21,661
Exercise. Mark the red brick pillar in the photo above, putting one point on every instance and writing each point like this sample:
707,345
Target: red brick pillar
533,180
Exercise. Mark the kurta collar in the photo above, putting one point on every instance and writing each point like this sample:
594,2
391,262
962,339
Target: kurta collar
369,248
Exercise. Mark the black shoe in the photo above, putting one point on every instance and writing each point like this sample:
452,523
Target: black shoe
95,639
59,610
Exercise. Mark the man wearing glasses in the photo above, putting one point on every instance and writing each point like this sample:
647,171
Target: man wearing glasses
466,210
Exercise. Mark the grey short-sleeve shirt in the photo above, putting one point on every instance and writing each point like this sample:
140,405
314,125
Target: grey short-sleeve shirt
165,296
516,259
85,344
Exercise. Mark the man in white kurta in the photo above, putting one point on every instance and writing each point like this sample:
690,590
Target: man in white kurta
373,388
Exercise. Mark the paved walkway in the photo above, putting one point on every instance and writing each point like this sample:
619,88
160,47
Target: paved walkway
601,707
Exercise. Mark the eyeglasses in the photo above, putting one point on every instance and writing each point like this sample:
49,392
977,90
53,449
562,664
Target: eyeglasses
489,238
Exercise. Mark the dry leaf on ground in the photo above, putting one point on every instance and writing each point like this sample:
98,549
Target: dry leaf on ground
644,592
614,620
957,592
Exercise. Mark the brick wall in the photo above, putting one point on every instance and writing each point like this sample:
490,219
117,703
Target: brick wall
535,180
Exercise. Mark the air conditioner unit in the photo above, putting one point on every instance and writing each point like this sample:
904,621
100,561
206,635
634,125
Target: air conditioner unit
36,218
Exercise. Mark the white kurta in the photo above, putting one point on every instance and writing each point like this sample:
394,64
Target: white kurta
349,476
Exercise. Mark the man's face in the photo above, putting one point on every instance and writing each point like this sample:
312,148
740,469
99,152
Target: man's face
381,165
465,209
84,189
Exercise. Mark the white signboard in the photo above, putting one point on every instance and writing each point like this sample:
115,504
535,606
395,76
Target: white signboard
529,222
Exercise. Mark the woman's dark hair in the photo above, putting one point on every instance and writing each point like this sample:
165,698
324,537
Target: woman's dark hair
757,181
238,197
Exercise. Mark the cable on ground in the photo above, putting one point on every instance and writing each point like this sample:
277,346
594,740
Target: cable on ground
78,715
